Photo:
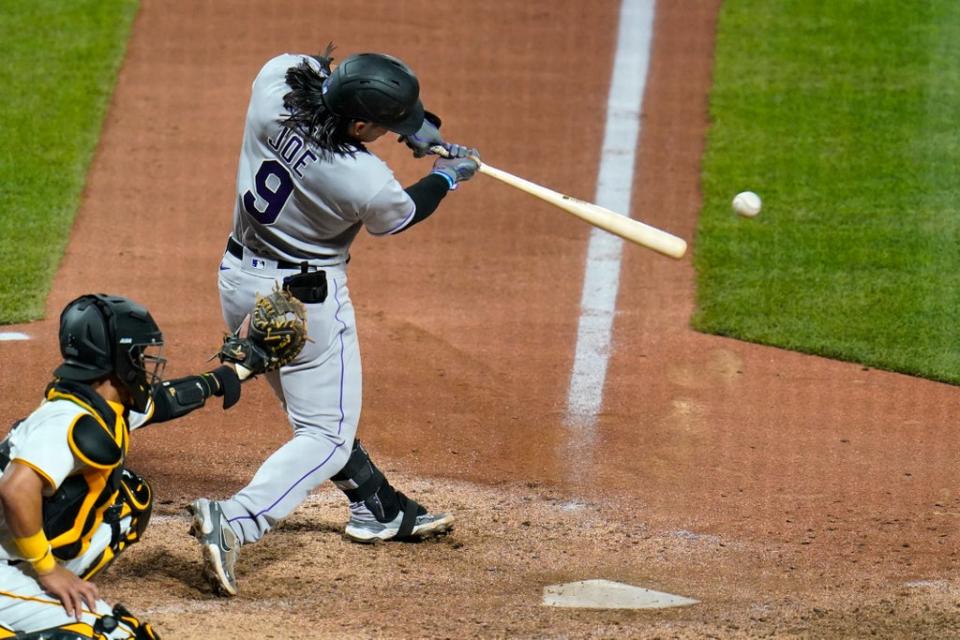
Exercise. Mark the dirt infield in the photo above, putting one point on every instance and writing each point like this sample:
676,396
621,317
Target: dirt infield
792,496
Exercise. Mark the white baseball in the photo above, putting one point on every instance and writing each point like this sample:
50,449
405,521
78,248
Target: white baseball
747,204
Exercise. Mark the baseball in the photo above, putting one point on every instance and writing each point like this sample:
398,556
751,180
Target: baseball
747,204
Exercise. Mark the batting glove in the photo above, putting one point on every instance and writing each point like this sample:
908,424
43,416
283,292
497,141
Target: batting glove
458,168
427,136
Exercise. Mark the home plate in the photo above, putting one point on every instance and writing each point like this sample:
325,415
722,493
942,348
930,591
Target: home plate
606,594
13,335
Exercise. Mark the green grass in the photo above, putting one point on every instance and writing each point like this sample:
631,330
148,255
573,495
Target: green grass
845,117
60,60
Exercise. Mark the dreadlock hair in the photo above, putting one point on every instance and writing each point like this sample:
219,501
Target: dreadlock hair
307,113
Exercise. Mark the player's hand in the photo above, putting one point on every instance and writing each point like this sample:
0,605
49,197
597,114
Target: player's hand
459,151
427,136
70,590
458,168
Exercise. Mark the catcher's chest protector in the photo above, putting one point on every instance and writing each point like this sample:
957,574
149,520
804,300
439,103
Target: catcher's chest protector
98,437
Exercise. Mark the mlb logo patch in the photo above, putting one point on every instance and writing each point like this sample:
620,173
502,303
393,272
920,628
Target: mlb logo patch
257,263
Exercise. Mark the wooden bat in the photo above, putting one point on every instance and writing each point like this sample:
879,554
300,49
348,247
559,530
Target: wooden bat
601,217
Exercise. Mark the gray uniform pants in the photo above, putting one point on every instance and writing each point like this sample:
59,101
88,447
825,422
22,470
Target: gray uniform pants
320,391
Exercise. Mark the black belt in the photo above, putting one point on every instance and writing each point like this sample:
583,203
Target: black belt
235,249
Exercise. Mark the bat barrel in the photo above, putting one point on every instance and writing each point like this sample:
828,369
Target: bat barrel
620,225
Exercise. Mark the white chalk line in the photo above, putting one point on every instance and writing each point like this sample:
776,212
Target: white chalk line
614,190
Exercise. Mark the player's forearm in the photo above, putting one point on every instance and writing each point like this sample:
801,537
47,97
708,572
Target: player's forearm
426,195
177,398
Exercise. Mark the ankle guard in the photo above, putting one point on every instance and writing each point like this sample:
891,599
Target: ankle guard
362,481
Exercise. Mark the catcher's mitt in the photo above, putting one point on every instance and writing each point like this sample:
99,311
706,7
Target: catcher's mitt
274,334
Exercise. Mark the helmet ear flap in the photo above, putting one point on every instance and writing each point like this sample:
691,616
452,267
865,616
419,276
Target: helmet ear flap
86,339
109,324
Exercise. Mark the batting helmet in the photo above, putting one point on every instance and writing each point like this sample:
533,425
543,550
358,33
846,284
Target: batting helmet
102,335
377,88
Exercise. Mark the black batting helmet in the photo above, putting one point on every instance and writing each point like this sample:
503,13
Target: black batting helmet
377,88
102,335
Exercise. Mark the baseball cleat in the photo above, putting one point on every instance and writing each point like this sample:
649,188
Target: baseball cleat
363,527
219,543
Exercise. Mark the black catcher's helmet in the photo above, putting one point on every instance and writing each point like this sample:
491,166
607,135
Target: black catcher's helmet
377,88
101,335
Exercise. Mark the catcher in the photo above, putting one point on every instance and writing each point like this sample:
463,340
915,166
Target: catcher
70,506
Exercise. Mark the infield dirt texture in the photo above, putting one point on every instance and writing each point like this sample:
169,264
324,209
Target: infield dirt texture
793,496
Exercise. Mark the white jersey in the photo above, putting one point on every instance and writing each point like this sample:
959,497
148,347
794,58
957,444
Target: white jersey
41,441
291,204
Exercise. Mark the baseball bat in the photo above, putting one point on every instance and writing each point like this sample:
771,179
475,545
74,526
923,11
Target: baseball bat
619,225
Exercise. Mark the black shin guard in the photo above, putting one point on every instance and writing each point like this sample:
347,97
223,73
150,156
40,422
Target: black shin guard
362,481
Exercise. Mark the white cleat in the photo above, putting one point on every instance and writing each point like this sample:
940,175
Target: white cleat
365,528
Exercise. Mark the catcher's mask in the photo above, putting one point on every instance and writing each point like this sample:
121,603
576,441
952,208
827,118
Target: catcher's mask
377,88
102,335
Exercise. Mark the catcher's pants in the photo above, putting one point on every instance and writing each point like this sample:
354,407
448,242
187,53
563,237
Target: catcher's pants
320,391
26,607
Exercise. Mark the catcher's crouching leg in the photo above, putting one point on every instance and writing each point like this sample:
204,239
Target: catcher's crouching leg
72,631
136,501
120,625
377,510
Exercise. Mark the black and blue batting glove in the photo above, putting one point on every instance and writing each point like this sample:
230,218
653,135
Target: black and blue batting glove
427,136
462,165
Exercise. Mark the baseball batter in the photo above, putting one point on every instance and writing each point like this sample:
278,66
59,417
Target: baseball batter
306,185
69,506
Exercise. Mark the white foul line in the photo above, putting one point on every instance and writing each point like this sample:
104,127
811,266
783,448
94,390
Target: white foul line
614,182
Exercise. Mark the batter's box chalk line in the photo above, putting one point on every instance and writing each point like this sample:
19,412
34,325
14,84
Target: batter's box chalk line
607,594
10,336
